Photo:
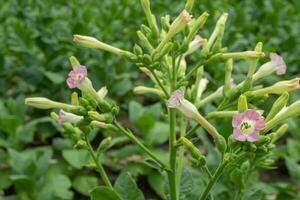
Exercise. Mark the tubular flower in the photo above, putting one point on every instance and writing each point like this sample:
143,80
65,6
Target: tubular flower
77,76
247,125
195,44
178,101
64,116
280,64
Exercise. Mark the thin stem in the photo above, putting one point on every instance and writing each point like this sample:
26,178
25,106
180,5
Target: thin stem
206,170
238,195
213,180
99,166
142,146
172,159
159,83
181,152
192,130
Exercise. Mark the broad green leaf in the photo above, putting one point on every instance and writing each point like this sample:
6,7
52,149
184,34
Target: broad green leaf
55,78
84,183
104,193
293,168
126,187
76,158
156,181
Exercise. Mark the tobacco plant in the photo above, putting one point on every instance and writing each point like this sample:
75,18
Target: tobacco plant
163,56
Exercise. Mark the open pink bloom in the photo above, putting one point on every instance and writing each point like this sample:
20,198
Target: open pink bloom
246,125
280,64
64,116
176,98
76,76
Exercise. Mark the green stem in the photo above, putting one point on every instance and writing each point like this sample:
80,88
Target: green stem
172,159
99,166
142,146
238,195
181,152
213,180
206,170
159,83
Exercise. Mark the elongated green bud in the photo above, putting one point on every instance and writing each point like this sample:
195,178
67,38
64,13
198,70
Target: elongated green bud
278,105
93,43
197,25
74,62
74,99
54,116
147,90
103,125
228,79
44,103
163,52
243,55
144,40
220,143
104,145
179,23
150,17
219,26
189,5
279,133
242,104
137,50
105,117
194,151
165,22
102,92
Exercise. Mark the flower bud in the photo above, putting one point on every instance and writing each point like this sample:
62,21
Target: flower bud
201,87
150,17
194,151
220,143
103,125
196,26
278,88
218,29
147,90
105,144
243,55
194,45
189,5
165,50
279,132
74,99
228,79
102,92
144,41
81,144
44,103
179,23
242,103
278,105
64,117
105,117
137,50
92,42
74,62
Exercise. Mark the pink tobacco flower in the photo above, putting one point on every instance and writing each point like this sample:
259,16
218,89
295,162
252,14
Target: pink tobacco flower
247,125
77,76
178,101
64,116
280,64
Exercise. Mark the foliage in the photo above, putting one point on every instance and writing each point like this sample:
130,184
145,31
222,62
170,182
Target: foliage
36,42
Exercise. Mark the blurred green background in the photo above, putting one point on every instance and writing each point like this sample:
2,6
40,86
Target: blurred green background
36,42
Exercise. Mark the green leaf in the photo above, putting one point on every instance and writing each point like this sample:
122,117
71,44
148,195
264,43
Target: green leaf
159,134
55,78
156,181
5,181
126,187
135,111
293,148
104,193
84,183
76,158
293,168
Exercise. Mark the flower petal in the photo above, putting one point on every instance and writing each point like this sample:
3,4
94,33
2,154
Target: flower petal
238,135
253,136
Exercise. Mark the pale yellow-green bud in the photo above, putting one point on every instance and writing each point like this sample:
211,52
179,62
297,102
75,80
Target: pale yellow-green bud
92,42
44,103
102,92
147,90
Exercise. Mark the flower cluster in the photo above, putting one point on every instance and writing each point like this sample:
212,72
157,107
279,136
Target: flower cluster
184,88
